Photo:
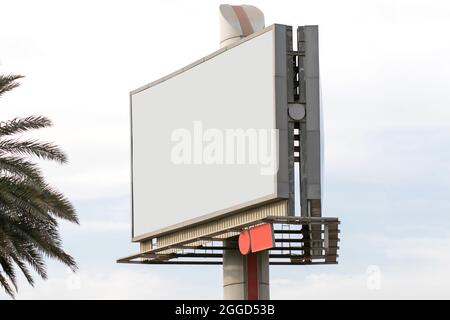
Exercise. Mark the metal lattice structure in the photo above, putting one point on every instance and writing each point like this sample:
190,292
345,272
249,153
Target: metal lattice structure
298,241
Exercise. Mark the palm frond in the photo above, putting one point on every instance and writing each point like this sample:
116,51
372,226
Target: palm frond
8,248
16,243
19,196
8,82
19,125
8,269
23,267
43,150
36,200
20,168
46,240
6,285
57,204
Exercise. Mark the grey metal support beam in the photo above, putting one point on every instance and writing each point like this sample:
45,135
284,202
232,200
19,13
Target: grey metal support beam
302,171
281,43
310,148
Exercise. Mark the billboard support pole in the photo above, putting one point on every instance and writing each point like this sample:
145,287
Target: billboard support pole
245,277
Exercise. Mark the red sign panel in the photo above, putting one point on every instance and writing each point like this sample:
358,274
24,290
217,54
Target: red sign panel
244,242
256,239
262,237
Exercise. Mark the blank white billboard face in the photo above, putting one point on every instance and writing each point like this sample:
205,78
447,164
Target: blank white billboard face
188,133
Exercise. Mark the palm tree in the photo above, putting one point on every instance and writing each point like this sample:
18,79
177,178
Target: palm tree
29,207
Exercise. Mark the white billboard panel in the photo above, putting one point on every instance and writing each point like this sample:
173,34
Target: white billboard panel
210,139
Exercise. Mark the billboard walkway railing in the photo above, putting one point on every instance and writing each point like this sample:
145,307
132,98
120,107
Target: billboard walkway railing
298,241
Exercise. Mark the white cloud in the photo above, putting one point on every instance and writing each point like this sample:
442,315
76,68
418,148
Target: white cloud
393,285
430,251
410,268
122,284
98,226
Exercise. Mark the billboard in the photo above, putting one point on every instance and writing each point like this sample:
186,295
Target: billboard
211,139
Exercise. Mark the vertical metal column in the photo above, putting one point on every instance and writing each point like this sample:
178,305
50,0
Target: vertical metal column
310,140
308,45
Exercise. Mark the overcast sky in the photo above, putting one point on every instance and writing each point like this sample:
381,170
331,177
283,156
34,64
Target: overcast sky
384,74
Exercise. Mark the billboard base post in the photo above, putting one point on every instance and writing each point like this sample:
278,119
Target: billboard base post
245,277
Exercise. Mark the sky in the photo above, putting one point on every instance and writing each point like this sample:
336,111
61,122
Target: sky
384,75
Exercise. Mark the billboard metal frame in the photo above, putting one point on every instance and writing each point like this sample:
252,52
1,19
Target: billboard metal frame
282,45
